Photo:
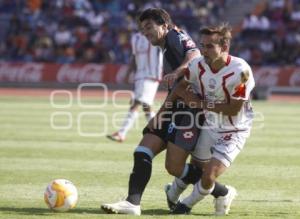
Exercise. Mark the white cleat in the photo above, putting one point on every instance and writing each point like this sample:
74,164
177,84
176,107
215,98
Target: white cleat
170,203
122,207
223,203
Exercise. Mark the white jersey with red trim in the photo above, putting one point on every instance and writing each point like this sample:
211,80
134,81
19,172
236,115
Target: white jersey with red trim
148,58
234,81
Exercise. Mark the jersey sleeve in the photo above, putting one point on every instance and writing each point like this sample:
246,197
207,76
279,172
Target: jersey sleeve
192,71
242,84
181,42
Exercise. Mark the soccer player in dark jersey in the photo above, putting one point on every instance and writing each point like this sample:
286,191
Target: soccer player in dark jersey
161,133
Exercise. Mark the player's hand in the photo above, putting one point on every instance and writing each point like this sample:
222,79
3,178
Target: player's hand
170,79
180,89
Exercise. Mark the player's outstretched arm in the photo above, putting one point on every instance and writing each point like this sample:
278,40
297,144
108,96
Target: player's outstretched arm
178,72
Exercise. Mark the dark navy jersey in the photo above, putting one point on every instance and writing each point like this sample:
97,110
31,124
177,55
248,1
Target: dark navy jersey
177,44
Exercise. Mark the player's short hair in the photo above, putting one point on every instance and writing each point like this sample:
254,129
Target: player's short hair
223,31
158,15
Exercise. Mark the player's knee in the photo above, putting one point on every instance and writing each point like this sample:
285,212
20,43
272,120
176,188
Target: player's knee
208,179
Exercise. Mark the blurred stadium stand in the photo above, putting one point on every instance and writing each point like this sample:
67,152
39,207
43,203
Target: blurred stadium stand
267,33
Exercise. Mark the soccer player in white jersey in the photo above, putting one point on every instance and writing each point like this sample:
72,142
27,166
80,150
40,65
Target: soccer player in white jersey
146,62
224,83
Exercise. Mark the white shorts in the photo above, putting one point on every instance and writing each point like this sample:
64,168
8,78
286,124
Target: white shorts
223,146
145,90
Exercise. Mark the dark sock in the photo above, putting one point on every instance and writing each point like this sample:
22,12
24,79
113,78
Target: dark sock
219,190
193,175
139,177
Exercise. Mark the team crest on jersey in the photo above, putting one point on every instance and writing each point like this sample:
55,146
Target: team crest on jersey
212,84
244,76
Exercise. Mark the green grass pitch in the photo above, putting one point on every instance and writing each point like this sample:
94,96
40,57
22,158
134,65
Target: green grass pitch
266,173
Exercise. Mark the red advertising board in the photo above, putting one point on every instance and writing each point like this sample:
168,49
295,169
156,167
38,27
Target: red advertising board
110,73
66,73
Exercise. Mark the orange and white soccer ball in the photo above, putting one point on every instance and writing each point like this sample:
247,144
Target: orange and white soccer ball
61,195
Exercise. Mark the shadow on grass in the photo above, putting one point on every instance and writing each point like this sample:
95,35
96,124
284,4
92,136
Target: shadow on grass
164,212
45,211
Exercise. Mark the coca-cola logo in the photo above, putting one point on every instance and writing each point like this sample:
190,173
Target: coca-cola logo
121,75
266,76
87,73
295,78
29,72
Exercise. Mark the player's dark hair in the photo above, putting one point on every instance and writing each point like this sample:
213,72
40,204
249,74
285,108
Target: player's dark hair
223,31
158,15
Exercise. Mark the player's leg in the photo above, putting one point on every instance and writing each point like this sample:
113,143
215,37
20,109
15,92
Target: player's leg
184,173
149,113
225,151
147,97
132,114
149,146
220,189
130,118
127,124
182,138
206,184
152,143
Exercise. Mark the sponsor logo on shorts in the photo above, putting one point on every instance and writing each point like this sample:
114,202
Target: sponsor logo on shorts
188,135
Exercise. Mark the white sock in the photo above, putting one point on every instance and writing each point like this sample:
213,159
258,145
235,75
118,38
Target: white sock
149,116
197,194
177,187
128,123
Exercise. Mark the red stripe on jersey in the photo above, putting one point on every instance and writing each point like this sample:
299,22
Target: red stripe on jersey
228,60
186,73
201,73
225,77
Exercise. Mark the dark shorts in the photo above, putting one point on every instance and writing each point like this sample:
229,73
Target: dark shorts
185,131
162,132
182,128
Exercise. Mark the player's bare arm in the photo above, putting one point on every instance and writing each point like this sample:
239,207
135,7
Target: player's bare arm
168,103
178,72
182,90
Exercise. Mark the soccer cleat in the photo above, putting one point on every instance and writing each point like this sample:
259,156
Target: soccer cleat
116,137
171,204
122,207
223,203
181,208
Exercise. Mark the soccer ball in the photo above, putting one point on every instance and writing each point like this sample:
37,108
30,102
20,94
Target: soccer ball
61,195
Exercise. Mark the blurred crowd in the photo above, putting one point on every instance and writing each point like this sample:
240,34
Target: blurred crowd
81,31
271,37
